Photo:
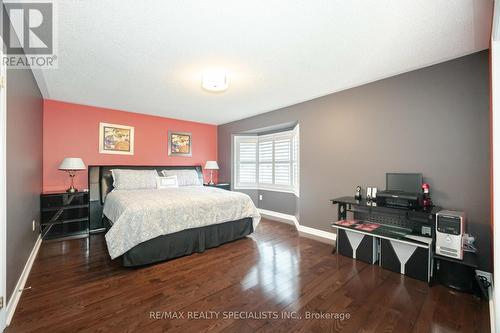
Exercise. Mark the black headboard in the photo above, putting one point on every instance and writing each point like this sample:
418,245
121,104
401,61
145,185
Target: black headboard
101,182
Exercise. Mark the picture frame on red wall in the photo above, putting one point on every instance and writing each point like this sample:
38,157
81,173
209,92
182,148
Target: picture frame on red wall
180,144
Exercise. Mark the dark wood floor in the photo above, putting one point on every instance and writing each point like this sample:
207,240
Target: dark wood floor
273,272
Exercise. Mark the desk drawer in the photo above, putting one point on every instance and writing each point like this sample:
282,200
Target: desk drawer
357,246
405,258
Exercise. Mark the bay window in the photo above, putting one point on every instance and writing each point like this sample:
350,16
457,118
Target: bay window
268,162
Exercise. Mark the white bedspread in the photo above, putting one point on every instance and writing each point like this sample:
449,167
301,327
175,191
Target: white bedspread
141,215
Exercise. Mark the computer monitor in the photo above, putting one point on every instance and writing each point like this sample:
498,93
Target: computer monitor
407,182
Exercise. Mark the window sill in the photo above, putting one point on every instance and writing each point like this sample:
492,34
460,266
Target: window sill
267,189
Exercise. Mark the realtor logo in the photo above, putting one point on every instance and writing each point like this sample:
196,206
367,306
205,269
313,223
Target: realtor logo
28,32
33,24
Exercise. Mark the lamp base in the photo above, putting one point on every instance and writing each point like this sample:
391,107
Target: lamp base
72,174
211,182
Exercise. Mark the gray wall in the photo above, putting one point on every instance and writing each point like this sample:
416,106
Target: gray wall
24,169
433,120
278,201
281,202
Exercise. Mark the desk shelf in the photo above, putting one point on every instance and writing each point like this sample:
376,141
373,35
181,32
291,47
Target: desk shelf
395,251
385,234
363,203
398,254
419,221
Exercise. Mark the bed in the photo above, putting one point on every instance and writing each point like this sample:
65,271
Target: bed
146,226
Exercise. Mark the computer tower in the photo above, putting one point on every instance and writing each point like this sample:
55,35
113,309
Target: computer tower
450,229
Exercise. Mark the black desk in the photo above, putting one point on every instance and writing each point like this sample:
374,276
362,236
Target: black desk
420,222
389,232
396,244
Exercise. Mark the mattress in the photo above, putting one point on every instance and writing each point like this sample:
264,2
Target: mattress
140,215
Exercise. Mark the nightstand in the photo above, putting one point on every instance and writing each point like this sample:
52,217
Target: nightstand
224,186
64,215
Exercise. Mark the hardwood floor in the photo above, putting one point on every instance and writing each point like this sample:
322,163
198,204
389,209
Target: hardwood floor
273,273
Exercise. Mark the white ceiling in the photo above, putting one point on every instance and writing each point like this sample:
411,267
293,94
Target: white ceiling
147,56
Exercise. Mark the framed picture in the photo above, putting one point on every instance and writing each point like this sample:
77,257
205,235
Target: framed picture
179,144
116,139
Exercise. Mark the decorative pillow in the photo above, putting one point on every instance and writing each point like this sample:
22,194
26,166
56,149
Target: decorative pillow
125,179
184,177
167,182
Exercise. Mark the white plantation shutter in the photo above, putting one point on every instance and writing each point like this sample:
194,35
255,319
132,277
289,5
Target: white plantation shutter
247,173
282,173
246,161
295,160
282,150
265,173
265,161
268,162
282,160
265,150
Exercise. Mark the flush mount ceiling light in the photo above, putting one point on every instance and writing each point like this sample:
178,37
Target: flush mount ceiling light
215,80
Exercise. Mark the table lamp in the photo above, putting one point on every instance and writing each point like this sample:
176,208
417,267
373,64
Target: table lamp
211,165
72,165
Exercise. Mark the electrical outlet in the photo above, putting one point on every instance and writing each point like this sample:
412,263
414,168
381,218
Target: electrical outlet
260,197
34,225
487,275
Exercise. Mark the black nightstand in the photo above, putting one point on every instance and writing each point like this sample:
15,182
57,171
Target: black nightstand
224,186
64,214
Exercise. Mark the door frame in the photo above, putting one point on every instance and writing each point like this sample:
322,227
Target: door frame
3,190
495,146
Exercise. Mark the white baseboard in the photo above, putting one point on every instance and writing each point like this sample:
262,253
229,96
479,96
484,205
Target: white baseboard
491,303
321,235
317,234
14,299
280,217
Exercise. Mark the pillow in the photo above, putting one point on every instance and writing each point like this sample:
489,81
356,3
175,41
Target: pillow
166,182
184,177
125,179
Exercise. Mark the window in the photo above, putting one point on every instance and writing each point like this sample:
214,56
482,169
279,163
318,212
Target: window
269,162
246,155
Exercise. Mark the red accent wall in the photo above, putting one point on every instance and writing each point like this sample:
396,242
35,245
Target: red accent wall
72,130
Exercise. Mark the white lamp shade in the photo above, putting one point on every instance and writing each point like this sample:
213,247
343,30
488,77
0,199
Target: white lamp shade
72,163
211,165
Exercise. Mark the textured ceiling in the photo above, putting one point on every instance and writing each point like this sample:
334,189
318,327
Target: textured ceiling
147,56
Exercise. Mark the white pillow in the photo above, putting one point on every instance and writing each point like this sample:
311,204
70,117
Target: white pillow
184,177
125,179
166,182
